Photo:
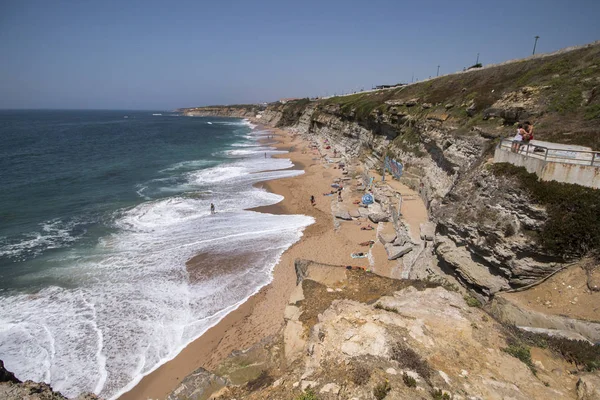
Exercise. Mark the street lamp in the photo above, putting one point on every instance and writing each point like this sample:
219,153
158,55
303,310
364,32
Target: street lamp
535,44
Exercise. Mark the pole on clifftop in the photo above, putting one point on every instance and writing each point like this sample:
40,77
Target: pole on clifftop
438,72
535,44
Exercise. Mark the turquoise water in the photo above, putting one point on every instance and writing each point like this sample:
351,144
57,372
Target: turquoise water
99,212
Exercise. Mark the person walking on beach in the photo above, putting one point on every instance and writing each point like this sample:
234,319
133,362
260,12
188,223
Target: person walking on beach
212,208
312,200
265,155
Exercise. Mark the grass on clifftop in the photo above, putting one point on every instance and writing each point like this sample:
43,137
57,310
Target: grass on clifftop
573,226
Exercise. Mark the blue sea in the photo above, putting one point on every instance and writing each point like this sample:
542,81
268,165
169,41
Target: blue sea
99,213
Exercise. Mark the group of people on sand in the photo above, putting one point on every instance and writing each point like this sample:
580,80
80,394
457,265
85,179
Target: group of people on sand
523,137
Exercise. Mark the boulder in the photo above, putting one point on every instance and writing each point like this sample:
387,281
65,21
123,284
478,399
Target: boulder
588,387
449,106
427,231
379,217
354,213
332,388
387,237
426,105
342,214
411,102
395,252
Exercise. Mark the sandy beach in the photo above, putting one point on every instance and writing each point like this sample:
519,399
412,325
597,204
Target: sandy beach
327,240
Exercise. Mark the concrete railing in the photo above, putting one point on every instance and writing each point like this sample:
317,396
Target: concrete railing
560,163
552,154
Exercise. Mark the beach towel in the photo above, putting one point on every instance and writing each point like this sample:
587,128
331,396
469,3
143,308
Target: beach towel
358,255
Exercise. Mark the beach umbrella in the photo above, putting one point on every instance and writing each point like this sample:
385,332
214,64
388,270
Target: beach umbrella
367,198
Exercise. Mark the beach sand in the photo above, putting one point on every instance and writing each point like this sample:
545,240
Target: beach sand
262,314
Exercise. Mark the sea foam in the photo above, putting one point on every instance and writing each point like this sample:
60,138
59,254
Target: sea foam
129,304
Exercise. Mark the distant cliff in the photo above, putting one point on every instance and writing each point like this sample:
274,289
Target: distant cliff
239,111
492,231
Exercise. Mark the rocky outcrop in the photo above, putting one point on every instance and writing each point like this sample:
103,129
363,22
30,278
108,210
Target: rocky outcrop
511,313
12,388
486,233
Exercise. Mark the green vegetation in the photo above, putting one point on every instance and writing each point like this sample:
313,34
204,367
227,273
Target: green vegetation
566,101
472,301
409,359
381,390
409,380
438,394
573,225
592,112
361,104
519,350
409,141
308,395
581,353
292,111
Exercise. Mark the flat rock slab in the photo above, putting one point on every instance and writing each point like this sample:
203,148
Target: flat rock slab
379,217
354,213
344,215
427,231
395,252
291,313
387,237
293,341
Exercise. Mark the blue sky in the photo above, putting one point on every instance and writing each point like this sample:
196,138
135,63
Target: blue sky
164,55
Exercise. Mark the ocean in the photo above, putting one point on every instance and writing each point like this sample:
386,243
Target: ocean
99,213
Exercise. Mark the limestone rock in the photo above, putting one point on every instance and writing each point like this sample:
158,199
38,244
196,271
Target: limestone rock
354,213
395,252
291,313
342,214
332,388
387,237
473,273
427,231
199,384
293,340
411,102
379,217
588,387
426,105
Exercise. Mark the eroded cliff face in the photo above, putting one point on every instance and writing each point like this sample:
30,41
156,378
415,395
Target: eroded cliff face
443,131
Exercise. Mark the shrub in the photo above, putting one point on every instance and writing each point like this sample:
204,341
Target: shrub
308,395
409,359
381,390
438,394
519,350
409,380
472,301
360,375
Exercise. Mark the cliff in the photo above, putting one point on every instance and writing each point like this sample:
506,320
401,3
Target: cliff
12,388
492,231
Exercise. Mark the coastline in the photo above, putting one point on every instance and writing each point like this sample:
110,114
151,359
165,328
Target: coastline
262,314
324,241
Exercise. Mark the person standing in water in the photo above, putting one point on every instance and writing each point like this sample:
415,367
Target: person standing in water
212,208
